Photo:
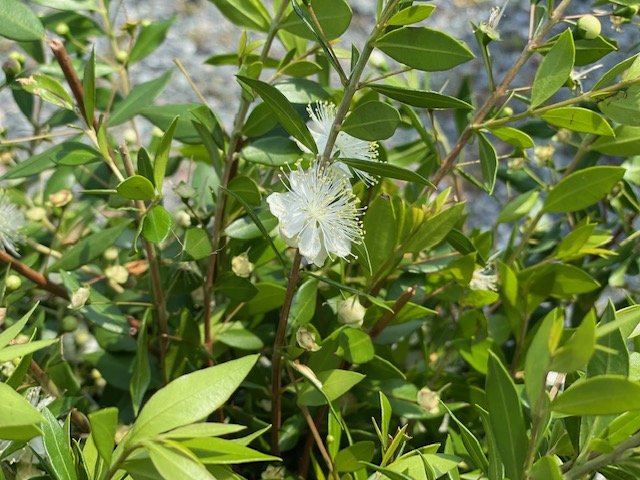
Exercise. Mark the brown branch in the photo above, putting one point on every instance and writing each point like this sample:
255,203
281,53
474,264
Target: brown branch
36,277
388,316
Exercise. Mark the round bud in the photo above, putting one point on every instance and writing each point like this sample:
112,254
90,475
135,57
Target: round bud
11,69
62,29
17,56
117,274
351,312
182,219
121,56
14,282
68,323
79,298
111,254
506,112
588,27
307,340
429,400
241,265
130,136
36,214
61,198
82,337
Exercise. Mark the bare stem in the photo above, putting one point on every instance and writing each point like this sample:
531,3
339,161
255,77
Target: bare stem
36,277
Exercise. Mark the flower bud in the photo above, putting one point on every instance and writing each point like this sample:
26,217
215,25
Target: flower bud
429,400
307,340
14,282
61,198
3,314
117,274
61,29
111,254
79,298
241,265
17,56
588,27
69,323
351,312
36,214
11,69
182,219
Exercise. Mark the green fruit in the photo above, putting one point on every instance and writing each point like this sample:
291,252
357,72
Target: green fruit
69,323
588,27
14,282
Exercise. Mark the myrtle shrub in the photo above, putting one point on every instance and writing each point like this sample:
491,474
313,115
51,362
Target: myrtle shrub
380,268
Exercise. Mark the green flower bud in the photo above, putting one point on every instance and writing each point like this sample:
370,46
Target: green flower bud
69,323
350,312
62,29
588,27
11,69
14,282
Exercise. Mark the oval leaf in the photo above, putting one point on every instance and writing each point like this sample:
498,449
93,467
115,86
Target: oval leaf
157,225
136,187
372,121
488,163
386,170
582,189
18,22
197,244
554,69
578,119
424,49
411,14
623,107
601,395
421,98
626,142
18,418
513,136
333,16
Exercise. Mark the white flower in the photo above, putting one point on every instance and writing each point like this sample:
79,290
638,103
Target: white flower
345,146
318,213
11,222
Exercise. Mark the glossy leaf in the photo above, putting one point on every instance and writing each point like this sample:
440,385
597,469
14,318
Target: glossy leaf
554,69
380,232
518,207
424,49
578,119
348,459
250,14
513,136
386,170
304,304
335,383
139,97
21,349
421,98
157,225
270,296
197,243
623,107
245,188
546,468
236,288
149,38
505,417
190,398
411,14
162,155
488,163
271,151
103,430
626,143
576,351
615,71
57,446
89,248
18,22
141,376
601,395
372,121
211,451
89,88
49,89
333,16
19,420
136,187
283,110
355,346
582,189
176,462
9,333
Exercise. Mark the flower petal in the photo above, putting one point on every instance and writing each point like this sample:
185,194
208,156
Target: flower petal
310,245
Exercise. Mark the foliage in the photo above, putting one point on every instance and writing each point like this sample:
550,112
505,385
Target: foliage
247,301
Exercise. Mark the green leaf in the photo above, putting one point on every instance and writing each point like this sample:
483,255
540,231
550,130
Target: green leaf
301,68
505,417
554,69
19,419
380,228
68,5
411,14
471,444
623,107
488,163
601,395
424,49
348,459
213,451
139,97
190,398
56,445
513,136
149,38
198,430
162,155
136,187
141,376
355,346
421,98
270,296
372,121
14,330
89,248
271,151
345,288
386,170
546,468
157,225
103,430
578,119
18,22
626,143
577,351
49,89
518,207
615,360
89,87
557,279
285,112
496,470
246,228
335,383
609,77
249,14
434,229
581,189
245,188
333,16
236,288
301,91
163,115
176,462
304,305
197,243
21,349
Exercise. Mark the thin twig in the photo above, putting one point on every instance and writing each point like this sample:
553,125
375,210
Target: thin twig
36,277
